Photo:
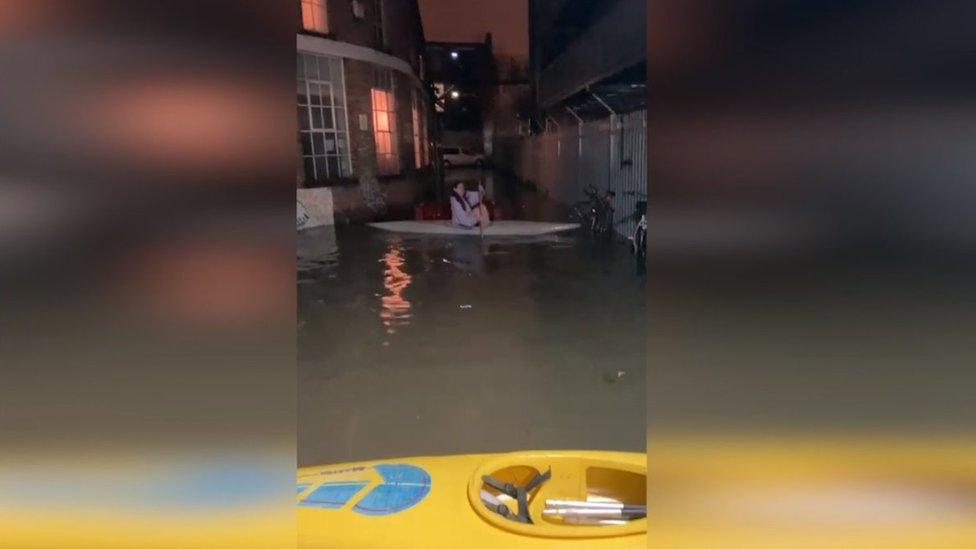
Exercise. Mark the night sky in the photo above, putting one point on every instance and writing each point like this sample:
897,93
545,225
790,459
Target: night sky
469,20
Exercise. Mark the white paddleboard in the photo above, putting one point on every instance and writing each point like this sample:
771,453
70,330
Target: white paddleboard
502,227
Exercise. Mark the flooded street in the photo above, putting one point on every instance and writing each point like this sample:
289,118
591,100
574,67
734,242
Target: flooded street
421,345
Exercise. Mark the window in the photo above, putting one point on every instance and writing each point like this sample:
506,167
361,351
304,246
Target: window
384,123
419,130
314,16
439,90
322,126
358,11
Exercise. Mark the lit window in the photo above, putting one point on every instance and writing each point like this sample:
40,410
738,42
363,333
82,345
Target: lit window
314,16
384,124
439,90
322,131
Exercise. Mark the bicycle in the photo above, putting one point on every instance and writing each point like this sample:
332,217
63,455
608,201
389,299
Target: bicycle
596,211
639,238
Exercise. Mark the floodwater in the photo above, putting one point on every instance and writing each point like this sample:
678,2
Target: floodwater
431,345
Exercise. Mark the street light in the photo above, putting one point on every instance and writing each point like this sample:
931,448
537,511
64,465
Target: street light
454,55
455,94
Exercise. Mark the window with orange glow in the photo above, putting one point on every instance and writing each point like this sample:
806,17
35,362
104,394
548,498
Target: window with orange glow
314,17
384,124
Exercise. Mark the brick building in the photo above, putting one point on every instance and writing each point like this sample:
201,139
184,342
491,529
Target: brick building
364,141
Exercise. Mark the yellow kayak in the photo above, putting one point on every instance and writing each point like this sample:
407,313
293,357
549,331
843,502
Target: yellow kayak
537,499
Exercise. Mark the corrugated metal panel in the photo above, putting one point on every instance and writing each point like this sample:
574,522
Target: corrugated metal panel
628,172
595,162
609,154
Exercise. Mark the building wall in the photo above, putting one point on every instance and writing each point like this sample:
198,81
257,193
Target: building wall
367,195
508,103
346,28
399,192
405,38
404,31
314,208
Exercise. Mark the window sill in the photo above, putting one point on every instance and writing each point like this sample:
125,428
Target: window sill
332,182
317,34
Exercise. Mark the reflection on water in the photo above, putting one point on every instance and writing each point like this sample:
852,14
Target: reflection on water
318,250
395,309
439,345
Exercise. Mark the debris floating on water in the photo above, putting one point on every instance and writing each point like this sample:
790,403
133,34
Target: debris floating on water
613,377
465,306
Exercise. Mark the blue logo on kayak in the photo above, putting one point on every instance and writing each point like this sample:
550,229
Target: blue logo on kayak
332,495
402,487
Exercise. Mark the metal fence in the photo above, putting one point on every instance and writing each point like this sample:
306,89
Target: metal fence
609,154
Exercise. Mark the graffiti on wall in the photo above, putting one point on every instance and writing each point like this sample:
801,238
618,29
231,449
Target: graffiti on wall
301,215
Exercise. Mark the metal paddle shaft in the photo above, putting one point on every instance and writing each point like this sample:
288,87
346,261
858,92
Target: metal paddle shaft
574,504
484,210
595,510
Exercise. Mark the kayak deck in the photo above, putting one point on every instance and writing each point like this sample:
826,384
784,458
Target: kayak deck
456,501
503,227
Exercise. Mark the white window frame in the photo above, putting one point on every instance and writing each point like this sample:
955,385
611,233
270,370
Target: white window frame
319,160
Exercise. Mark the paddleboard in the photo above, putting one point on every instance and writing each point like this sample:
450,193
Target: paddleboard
503,227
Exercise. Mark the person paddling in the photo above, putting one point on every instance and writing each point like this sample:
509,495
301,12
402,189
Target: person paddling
463,212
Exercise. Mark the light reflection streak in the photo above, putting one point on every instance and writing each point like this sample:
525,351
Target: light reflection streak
395,309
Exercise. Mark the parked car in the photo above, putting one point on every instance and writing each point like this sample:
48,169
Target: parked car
459,156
